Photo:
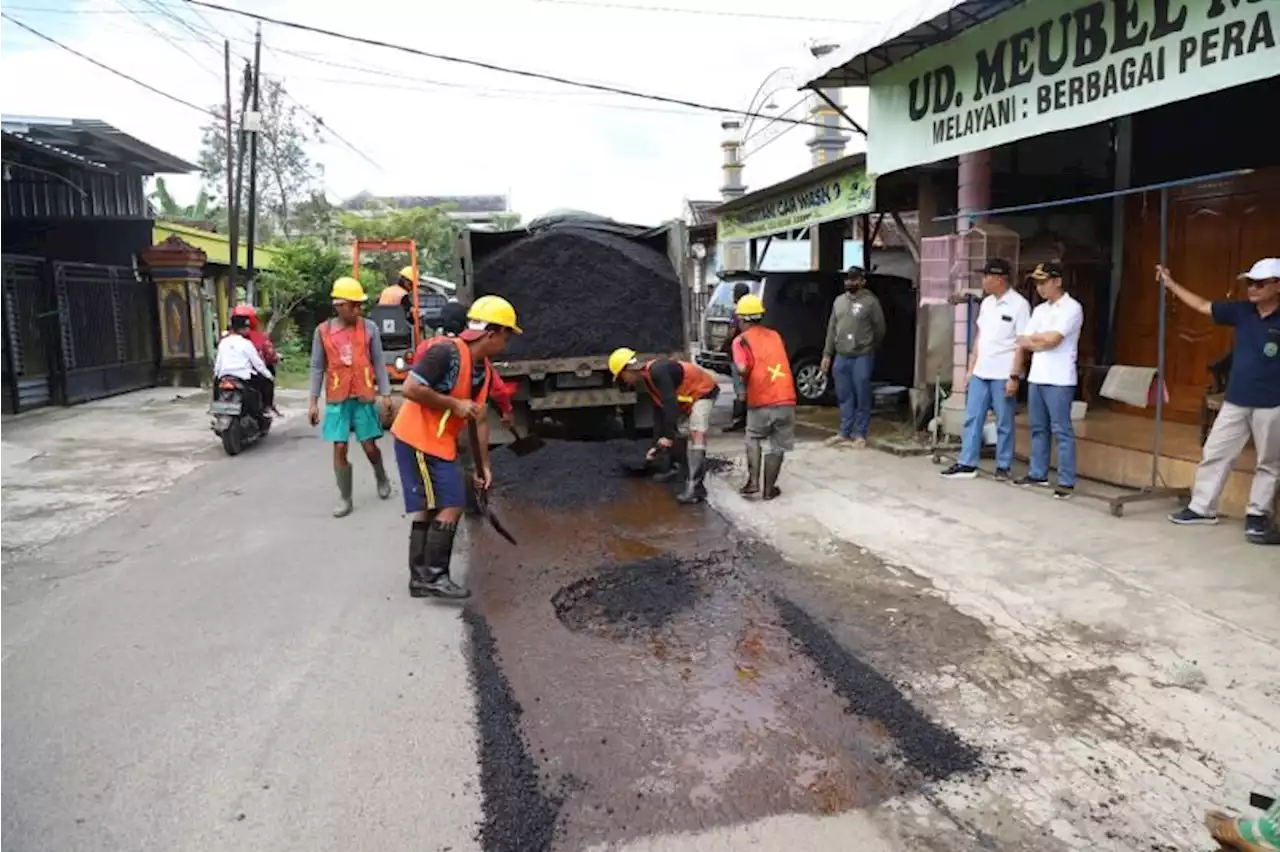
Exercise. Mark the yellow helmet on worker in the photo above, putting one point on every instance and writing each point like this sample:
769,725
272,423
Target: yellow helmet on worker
347,289
494,310
750,305
408,274
620,360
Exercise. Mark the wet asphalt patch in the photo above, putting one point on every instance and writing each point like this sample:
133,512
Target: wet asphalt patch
660,687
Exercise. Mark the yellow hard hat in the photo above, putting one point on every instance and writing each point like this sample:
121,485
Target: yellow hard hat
407,274
494,310
750,305
347,289
619,360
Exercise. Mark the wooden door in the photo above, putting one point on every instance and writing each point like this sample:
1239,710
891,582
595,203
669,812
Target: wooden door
1216,230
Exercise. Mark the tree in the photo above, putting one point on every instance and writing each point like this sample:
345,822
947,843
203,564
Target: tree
430,227
202,213
300,278
286,173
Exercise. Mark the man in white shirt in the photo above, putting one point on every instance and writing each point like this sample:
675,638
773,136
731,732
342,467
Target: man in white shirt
995,369
238,357
1053,338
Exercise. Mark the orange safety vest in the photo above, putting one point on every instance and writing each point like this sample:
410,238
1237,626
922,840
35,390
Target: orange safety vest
343,381
435,431
769,379
696,384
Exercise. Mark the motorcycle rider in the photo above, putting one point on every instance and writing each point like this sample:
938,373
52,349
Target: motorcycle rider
262,342
239,358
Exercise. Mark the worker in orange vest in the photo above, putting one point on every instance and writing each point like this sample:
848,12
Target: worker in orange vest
347,365
684,396
760,356
447,389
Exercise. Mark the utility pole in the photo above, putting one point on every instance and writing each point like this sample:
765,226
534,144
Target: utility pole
234,229
255,129
231,177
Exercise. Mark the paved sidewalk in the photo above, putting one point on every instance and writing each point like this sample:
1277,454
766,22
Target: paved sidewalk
1122,674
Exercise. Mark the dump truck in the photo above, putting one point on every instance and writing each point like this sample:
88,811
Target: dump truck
582,286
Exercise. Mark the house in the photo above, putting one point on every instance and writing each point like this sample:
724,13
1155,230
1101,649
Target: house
80,316
481,212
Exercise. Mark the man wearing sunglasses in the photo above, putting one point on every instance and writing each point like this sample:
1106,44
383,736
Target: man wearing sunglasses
1252,404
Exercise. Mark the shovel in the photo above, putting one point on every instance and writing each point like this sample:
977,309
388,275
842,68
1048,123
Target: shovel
482,497
525,444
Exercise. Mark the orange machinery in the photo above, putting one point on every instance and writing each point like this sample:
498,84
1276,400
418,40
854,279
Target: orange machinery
401,334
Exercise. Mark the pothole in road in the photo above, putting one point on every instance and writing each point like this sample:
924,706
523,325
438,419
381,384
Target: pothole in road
649,666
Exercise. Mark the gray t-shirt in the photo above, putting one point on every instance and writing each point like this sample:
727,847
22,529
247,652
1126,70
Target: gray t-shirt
375,355
856,326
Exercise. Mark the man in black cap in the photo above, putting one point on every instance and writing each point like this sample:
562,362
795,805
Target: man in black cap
994,371
854,333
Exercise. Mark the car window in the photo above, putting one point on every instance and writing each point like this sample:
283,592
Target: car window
721,303
798,292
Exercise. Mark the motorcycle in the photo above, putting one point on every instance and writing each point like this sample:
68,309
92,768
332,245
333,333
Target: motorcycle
238,418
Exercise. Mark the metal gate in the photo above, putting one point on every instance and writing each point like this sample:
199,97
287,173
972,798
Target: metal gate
30,333
107,330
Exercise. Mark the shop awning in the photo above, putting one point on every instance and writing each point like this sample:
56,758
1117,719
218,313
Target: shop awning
216,247
916,27
836,190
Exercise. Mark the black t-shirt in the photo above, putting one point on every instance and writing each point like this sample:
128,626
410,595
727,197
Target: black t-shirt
438,369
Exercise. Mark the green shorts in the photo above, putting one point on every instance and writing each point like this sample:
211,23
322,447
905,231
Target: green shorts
351,415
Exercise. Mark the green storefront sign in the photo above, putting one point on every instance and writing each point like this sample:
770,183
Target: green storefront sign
850,193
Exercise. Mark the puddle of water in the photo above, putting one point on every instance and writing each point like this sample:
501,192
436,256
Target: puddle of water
670,718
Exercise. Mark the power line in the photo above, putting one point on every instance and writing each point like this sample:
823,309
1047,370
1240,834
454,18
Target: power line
756,132
108,68
489,66
166,37
672,10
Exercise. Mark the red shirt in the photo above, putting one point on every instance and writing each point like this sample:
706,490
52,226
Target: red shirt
265,347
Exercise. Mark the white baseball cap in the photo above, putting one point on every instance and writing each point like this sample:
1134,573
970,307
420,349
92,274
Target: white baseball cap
1268,267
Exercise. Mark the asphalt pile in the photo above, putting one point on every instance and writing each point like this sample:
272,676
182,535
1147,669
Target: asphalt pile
928,748
621,600
565,474
518,814
579,291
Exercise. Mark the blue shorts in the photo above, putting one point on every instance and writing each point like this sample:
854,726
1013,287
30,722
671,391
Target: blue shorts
429,483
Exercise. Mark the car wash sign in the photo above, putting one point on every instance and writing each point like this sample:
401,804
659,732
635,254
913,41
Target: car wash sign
839,196
1046,66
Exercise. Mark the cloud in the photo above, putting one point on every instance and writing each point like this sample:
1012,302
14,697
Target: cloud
449,128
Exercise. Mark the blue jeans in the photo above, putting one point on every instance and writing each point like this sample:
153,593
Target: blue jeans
853,390
1050,410
985,395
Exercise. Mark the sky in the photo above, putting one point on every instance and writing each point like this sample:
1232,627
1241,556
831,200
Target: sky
420,126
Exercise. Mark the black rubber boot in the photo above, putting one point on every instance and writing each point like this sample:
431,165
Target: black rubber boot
737,420
343,477
772,467
695,491
439,554
418,576
753,472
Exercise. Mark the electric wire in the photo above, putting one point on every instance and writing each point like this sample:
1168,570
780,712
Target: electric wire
719,13
108,68
490,66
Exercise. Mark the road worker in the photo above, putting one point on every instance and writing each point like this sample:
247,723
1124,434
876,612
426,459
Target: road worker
760,357
738,420
684,396
445,393
347,366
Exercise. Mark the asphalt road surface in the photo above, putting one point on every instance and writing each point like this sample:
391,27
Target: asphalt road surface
225,666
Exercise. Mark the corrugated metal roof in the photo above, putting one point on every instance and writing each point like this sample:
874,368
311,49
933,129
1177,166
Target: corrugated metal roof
93,144
915,28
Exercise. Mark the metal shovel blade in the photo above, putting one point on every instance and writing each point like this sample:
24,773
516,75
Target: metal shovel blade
523,445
